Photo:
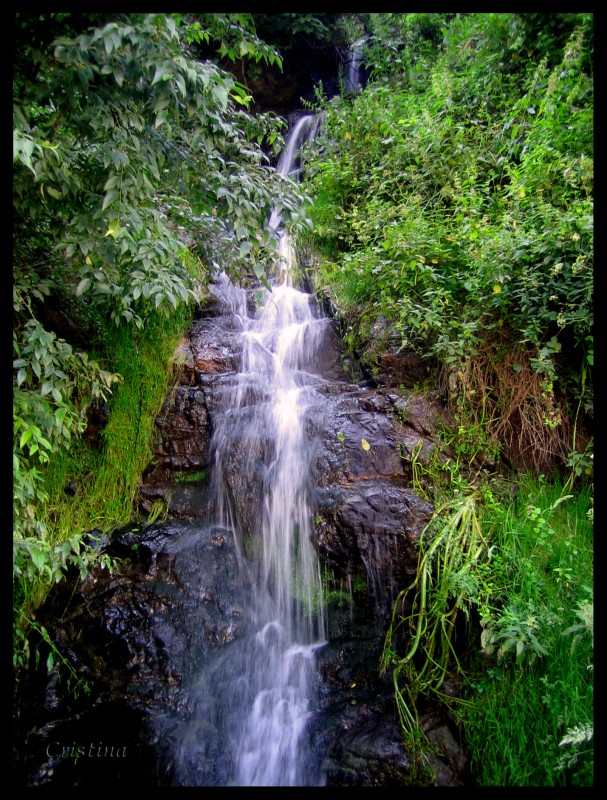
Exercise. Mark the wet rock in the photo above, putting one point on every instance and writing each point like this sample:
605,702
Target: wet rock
371,528
183,423
137,637
422,413
351,442
401,369
454,761
216,347
329,359
367,752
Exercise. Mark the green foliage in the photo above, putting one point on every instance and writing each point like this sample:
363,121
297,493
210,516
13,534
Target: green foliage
53,386
451,577
235,35
527,598
135,165
540,558
536,644
54,661
123,126
340,593
50,523
402,46
453,200
107,480
519,569
288,28
191,477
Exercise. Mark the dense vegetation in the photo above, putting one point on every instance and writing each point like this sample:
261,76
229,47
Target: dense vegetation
453,216
136,165
454,200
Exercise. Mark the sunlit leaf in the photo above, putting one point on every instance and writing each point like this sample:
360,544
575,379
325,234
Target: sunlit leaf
83,285
113,228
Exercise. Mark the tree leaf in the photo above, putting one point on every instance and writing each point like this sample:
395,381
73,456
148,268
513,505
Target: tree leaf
114,228
83,286
161,103
109,198
38,555
365,444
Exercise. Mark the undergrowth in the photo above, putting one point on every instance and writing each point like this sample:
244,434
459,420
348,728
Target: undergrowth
94,488
517,569
452,204
530,717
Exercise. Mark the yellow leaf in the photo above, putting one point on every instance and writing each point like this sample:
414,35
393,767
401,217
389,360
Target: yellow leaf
348,136
365,444
114,228
497,288
88,260
522,191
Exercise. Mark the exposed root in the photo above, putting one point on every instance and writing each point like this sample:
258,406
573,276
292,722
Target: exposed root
519,411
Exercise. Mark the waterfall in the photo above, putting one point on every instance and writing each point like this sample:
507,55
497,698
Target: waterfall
355,52
305,129
259,696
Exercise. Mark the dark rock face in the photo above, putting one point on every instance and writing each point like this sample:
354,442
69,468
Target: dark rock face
138,637
168,618
359,449
304,67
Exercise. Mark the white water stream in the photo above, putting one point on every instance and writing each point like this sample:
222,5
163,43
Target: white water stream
268,700
353,73
288,602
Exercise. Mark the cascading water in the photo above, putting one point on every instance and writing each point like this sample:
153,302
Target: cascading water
353,74
258,696
288,164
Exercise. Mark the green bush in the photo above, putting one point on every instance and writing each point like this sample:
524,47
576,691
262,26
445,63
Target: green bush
531,683
461,212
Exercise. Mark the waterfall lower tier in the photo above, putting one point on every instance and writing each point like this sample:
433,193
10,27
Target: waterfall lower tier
260,695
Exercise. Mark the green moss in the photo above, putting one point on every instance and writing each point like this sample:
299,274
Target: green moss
107,480
191,477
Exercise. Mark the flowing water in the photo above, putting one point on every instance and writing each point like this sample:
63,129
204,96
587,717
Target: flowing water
289,163
353,74
250,710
